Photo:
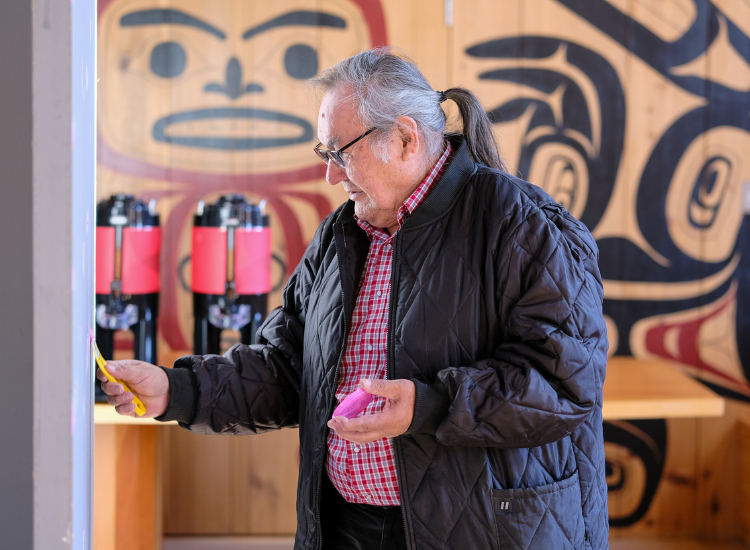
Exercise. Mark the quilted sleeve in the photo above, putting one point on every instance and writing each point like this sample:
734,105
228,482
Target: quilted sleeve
252,389
544,379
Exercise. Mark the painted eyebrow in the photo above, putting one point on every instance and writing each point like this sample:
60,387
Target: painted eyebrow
300,17
168,17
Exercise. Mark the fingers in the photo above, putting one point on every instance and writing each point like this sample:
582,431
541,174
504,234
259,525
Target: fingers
384,388
353,436
110,388
119,369
121,399
368,423
393,390
360,438
126,410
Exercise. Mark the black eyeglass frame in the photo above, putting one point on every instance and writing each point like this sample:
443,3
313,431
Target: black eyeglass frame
335,154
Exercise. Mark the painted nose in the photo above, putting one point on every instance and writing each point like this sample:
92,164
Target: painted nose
233,86
334,173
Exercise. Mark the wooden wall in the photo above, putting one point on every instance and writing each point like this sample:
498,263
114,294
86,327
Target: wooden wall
631,113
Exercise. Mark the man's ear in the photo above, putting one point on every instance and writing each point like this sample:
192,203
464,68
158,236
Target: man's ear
409,138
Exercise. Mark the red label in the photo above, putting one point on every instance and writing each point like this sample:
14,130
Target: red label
140,260
209,260
105,258
252,263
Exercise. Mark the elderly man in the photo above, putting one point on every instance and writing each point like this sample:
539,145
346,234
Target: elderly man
465,300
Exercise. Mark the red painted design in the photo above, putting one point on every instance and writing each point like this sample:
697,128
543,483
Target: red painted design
688,343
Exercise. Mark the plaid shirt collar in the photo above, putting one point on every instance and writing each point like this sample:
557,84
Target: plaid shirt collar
416,198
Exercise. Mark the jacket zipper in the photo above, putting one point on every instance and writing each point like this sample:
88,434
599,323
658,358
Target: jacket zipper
333,398
390,370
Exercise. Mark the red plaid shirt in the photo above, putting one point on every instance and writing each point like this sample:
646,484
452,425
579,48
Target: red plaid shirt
366,474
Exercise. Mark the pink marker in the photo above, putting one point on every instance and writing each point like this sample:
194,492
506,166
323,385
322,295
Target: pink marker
354,404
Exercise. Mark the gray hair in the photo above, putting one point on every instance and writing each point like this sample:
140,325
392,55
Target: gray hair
386,85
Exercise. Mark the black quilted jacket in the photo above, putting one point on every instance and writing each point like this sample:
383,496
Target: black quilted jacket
496,314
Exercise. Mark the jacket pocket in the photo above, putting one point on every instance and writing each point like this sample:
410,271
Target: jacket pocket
543,517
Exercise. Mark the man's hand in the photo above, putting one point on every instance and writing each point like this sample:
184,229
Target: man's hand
392,421
148,381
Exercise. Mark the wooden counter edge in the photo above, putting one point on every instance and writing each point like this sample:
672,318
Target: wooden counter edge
678,395
106,414
663,408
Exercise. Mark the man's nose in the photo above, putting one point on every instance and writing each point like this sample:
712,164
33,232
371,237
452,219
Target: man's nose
233,87
334,173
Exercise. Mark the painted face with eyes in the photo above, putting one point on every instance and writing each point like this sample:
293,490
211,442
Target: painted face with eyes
218,86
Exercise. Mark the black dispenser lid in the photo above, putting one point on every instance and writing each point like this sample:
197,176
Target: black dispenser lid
126,210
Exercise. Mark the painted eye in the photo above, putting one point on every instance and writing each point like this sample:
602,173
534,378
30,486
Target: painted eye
168,59
301,61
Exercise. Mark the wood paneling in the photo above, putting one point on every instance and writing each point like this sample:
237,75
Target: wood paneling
701,490
743,430
127,488
231,485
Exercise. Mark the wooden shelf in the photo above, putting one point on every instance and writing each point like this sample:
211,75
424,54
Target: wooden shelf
638,388
106,414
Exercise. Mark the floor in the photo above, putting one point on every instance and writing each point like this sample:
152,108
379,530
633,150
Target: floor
229,543
674,544
284,543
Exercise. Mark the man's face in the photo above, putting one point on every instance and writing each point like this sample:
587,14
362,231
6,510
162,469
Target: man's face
218,86
373,185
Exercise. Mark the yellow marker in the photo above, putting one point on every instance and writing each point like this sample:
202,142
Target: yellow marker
140,410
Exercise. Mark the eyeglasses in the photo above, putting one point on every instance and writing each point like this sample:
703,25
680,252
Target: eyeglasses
335,154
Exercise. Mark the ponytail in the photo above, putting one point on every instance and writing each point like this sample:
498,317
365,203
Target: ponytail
477,128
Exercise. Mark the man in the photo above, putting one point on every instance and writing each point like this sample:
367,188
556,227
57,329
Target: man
467,301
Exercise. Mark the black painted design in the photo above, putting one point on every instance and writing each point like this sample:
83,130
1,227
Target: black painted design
233,87
168,59
301,61
603,165
302,18
230,143
647,441
168,17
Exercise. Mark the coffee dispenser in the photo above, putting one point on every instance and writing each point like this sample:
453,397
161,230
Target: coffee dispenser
231,270
128,245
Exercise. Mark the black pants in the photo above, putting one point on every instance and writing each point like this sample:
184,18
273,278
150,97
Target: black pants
349,526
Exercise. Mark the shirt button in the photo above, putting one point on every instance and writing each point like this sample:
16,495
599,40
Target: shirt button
378,293
356,449
368,498
369,347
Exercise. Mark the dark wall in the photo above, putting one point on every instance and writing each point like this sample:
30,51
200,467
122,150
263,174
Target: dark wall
16,322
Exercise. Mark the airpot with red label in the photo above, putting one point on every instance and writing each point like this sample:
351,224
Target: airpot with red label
231,270
128,245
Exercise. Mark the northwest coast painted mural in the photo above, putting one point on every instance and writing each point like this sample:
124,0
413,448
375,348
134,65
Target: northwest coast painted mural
635,115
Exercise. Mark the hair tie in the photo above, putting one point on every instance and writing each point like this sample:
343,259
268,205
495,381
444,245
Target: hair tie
441,96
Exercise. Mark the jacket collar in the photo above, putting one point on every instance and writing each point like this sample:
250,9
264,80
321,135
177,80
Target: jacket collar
451,182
